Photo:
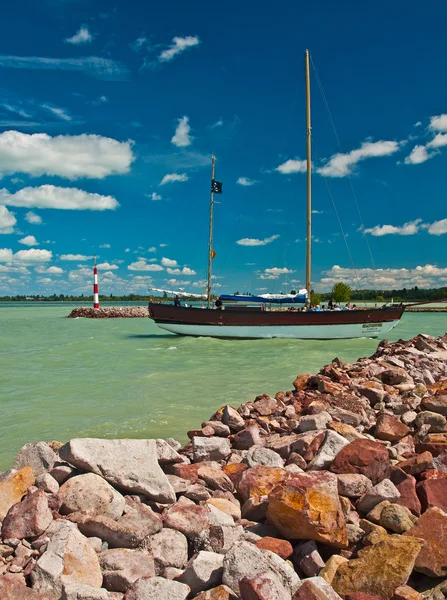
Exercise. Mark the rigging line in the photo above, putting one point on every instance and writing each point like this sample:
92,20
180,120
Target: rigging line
320,87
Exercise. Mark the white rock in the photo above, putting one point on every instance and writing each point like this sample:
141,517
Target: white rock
214,448
92,494
385,490
78,591
129,465
121,567
257,455
203,571
333,443
169,548
166,454
157,588
219,517
314,422
38,455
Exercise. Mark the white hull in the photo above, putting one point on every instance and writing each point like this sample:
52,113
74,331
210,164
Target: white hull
302,332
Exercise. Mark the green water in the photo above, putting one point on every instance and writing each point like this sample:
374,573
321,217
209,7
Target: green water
61,378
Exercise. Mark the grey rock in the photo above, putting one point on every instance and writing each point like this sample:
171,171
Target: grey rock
436,421
353,485
169,549
166,454
79,591
62,471
203,571
333,443
257,455
232,419
121,567
214,448
396,518
219,517
307,558
47,483
355,533
385,490
37,455
92,494
314,422
220,429
129,465
157,588
409,417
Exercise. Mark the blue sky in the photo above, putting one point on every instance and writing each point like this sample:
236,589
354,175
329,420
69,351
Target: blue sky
110,111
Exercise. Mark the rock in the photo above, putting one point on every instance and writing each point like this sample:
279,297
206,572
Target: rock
417,464
389,428
214,448
432,492
121,567
255,509
314,422
409,417
218,428
191,520
308,559
353,485
222,592
225,506
379,569
222,537
12,488
245,560
375,514
28,518
436,421
246,438
396,518
169,549
331,567
129,465
203,571
365,457
62,471
436,404
157,588
260,481
47,483
282,548
11,589
232,419
308,507
347,431
406,484
166,454
219,518
68,559
328,450
92,494
257,455
373,391
316,588
301,382
263,586
432,529
78,591
37,455
385,490
405,592
215,478
395,376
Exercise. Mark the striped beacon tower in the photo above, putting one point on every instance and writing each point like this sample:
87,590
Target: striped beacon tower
95,286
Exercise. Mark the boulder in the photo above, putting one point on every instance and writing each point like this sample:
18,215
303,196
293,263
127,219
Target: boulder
315,588
437,404
433,492
395,376
47,483
129,465
214,448
333,443
169,549
121,567
13,486
232,419
37,455
215,478
396,518
331,567
260,481
405,592
166,454
68,559
314,422
246,438
406,485
226,506
436,421
203,571
353,485
417,464
80,591
28,518
308,507
282,548
365,457
157,588
12,589
190,519
385,490
379,569
308,559
92,494
389,428
257,455
221,592
431,527
263,586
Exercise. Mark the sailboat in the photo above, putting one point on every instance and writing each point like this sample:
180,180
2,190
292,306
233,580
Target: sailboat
255,317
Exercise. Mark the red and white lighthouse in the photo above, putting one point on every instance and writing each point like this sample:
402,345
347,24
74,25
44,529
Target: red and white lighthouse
95,286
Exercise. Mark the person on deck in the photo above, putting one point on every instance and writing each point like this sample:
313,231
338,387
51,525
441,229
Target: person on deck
218,304
177,301
330,304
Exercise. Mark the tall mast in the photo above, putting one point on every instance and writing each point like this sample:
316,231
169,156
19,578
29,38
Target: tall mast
309,179
210,242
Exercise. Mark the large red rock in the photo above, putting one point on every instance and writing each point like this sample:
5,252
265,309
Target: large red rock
308,507
11,589
433,492
436,443
406,484
263,586
315,588
417,464
432,529
260,481
28,518
282,548
389,428
190,519
363,456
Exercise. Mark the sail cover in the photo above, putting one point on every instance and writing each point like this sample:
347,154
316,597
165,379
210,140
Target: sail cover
299,298
180,293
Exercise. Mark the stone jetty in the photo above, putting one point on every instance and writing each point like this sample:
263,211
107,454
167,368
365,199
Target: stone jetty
335,489
109,312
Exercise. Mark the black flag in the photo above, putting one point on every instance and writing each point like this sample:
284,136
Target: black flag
216,186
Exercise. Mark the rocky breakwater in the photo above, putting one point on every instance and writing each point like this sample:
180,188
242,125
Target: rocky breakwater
109,312
336,489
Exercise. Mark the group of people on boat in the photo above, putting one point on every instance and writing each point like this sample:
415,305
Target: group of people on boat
329,308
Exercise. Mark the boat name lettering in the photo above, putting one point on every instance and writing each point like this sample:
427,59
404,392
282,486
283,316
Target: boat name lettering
371,325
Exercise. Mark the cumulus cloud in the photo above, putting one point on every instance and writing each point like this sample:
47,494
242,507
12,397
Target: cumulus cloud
7,220
154,196
418,155
79,257
25,257
105,246
100,68
256,242
245,181
142,265
184,271
29,240
410,228
152,249
168,262
106,265
292,166
182,136
438,227
342,165
50,270
179,45
421,153
32,218
275,272
82,36
171,177
438,123
50,196
70,156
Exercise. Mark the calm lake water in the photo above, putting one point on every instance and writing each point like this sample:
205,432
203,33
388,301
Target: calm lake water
62,378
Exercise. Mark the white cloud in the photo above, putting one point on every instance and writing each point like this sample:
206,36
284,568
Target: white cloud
182,136
246,181
438,227
178,46
152,249
50,270
32,218
292,166
26,257
100,68
83,36
410,228
141,265
155,196
418,124
7,220
168,262
438,141
341,165
163,245
217,124
70,156
127,250
105,246
58,112
75,257
438,123
29,240
170,177
106,265
418,155
256,242
184,271
275,272
141,43
50,196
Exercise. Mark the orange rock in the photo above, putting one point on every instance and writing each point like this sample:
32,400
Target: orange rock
301,381
308,507
219,593
13,488
282,548
405,592
234,471
260,481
